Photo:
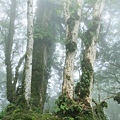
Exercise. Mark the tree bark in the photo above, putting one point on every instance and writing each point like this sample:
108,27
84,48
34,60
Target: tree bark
90,38
8,52
41,54
39,76
72,26
28,57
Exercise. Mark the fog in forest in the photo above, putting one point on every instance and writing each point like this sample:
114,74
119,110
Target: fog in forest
59,60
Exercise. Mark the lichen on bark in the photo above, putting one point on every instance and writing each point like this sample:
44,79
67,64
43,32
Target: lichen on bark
72,19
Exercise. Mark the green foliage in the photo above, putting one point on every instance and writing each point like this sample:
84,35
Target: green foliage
72,109
68,107
10,107
82,87
19,113
2,114
49,116
67,110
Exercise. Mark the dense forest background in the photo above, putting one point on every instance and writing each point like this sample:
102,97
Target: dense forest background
74,72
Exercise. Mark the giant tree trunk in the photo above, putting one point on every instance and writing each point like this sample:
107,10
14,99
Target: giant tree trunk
8,52
72,27
90,38
41,54
39,76
28,60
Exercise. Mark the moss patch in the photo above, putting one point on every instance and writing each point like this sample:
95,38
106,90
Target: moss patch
18,113
71,46
67,110
72,109
82,87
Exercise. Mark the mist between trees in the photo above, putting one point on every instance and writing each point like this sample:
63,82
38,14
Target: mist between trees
60,60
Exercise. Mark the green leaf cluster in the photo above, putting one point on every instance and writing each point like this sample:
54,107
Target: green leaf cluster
68,107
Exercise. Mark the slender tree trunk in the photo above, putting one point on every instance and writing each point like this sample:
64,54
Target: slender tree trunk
28,60
90,40
72,27
8,52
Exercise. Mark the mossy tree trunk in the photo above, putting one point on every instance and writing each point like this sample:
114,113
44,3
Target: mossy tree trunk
41,54
72,17
90,38
39,76
8,52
